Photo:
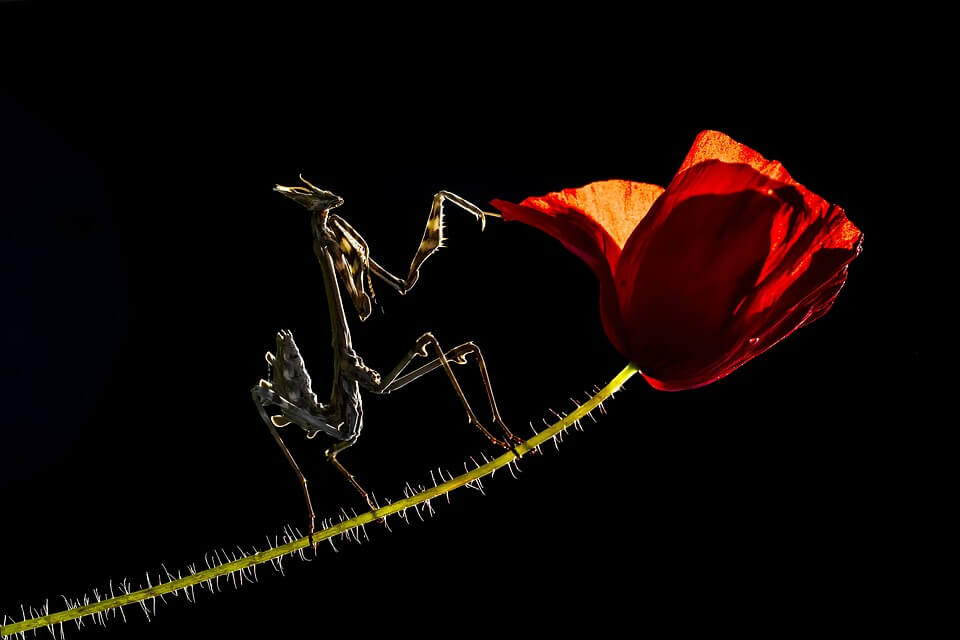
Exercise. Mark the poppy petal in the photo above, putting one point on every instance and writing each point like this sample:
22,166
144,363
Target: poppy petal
686,268
592,222
818,245
714,145
797,233
726,264
580,239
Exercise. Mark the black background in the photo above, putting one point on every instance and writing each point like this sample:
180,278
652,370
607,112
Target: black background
147,266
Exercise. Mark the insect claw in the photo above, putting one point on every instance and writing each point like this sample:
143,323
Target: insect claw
483,218
270,358
266,385
517,440
279,421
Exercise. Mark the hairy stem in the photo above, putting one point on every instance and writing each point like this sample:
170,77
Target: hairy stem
227,568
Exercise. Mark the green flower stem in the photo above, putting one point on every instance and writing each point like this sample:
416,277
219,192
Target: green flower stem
329,532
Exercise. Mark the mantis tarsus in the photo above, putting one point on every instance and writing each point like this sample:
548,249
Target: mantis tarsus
343,252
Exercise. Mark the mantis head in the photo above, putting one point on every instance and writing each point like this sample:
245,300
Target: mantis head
311,197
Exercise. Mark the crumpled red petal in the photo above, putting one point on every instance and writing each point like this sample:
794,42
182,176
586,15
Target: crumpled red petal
714,145
727,263
592,222
602,215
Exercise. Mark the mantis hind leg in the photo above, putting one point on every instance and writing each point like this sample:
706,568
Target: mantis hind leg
332,453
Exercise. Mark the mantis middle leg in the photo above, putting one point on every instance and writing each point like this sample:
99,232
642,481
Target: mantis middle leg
458,355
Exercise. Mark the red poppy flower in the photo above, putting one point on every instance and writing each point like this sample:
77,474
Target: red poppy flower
700,277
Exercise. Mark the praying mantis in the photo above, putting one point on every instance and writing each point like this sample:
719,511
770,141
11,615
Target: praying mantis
345,258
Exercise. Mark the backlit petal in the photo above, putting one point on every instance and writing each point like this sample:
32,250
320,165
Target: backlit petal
580,237
592,222
727,263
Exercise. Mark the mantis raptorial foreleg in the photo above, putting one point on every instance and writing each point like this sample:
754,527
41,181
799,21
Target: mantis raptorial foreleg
433,238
